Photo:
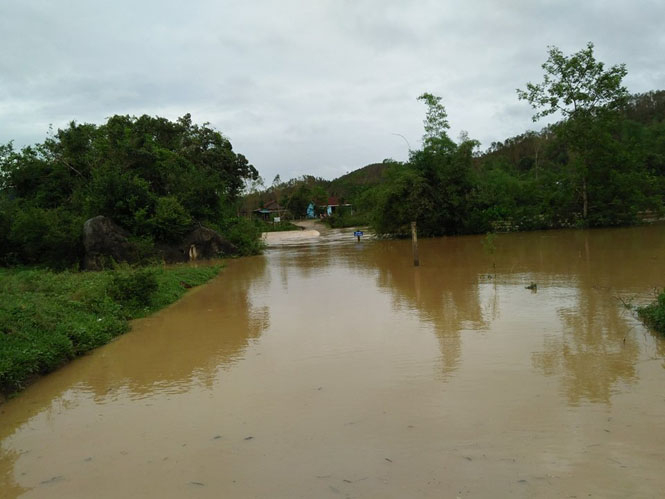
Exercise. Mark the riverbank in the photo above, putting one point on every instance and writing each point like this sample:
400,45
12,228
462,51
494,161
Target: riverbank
653,315
48,318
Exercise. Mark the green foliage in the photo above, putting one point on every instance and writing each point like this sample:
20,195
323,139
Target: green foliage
576,86
345,217
43,235
589,98
436,119
171,221
154,177
243,233
133,288
299,200
48,318
653,315
434,188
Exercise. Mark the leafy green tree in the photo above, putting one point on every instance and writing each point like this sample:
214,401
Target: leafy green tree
435,122
434,188
154,177
171,221
588,97
299,200
319,195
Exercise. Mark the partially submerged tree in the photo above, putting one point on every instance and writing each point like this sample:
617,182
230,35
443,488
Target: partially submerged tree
433,188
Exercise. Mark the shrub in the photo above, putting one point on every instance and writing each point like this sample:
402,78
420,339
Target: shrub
171,220
243,233
134,288
653,315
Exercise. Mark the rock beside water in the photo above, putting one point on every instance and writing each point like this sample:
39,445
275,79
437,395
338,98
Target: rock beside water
104,241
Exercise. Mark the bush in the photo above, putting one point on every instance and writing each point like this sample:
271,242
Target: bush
346,219
653,315
134,288
243,233
171,220
51,236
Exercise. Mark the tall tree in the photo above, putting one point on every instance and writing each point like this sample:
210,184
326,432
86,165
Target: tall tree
588,97
434,187
435,122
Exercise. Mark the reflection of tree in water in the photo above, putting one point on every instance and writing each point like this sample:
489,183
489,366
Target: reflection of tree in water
596,349
443,292
449,291
188,344
590,354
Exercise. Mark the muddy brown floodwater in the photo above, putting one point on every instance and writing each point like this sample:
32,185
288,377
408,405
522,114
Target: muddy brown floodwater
336,369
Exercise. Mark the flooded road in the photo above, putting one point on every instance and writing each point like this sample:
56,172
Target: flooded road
336,369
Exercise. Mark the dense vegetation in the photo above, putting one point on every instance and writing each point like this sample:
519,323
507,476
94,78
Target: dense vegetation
156,178
603,164
48,318
653,315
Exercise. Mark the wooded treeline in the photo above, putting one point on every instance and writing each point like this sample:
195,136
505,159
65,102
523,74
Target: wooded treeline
156,178
530,181
602,164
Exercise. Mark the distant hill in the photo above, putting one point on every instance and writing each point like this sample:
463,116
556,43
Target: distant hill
348,186
526,151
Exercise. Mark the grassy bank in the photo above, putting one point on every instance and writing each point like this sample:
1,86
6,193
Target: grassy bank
47,318
653,315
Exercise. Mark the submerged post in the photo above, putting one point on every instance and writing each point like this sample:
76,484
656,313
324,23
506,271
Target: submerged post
414,244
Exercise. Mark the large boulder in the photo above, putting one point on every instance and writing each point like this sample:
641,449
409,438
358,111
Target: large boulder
207,243
103,240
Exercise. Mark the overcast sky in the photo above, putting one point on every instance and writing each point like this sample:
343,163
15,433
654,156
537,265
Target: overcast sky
315,87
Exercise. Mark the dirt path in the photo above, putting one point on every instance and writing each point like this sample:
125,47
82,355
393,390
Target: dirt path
312,224
312,229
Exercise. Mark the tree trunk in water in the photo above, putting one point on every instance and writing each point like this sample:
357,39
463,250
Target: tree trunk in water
585,200
414,244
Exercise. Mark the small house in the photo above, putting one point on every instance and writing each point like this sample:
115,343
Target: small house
270,210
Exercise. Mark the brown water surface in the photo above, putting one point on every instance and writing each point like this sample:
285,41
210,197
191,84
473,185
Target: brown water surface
336,369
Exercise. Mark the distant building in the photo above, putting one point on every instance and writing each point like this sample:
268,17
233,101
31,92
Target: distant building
270,210
333,206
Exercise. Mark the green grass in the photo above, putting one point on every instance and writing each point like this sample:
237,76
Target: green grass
653,315
47,318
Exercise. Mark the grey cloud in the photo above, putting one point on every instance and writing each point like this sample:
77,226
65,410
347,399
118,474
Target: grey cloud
305,87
